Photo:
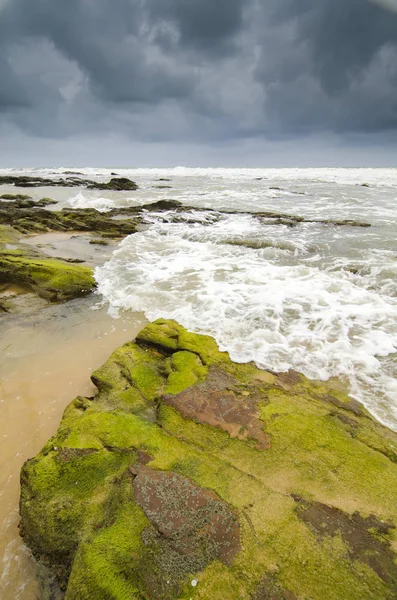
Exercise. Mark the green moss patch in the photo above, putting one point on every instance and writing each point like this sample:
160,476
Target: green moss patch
49,278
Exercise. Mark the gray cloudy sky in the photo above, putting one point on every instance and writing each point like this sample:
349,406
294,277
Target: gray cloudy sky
206,82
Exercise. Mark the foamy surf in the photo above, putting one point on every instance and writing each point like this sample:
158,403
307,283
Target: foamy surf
318,299
279,316
100,204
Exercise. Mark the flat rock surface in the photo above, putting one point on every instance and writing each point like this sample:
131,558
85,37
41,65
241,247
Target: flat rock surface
219,402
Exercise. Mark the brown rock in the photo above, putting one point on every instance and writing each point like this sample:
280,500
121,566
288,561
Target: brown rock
217,402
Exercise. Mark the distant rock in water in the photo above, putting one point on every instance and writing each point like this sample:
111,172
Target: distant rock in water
118,184
14,197
47,202
191,476
24,181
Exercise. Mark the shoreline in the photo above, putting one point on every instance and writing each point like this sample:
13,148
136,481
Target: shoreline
46,362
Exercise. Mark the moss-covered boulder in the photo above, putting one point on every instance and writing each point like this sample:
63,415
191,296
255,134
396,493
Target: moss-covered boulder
117,184
189,476
51,279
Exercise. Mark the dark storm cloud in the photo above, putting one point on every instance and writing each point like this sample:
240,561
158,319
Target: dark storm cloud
12,93
198,69
335,66
204,25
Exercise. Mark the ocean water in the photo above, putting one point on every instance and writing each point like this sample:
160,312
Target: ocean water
317,298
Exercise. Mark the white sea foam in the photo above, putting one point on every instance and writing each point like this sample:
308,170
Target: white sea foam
279,315
319,299
100,204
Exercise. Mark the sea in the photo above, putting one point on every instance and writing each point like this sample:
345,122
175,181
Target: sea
315,297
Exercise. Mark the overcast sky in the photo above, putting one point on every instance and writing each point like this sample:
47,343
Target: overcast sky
198,82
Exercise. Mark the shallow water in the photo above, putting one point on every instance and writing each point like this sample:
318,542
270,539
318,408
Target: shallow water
72,245
46,361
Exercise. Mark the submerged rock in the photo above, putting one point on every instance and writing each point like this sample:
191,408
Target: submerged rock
190,476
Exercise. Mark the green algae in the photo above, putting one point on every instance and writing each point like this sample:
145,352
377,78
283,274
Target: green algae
8,235
49,278
184,369
14,197
80,514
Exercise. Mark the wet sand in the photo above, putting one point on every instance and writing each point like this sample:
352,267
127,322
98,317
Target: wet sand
46,359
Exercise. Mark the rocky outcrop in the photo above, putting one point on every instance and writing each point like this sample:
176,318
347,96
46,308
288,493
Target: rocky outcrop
25,181
28,216
51,279
190,476
117,184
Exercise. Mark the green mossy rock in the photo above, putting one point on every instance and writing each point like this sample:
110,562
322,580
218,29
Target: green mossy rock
51,279
188,468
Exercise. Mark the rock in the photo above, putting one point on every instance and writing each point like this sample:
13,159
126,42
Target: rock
15,197
46,202
360,534
24,181
50,279
150,485
270,589
99,242
31,218
164,205
192,527
28,216
343,223
4,307
118,184
218,402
